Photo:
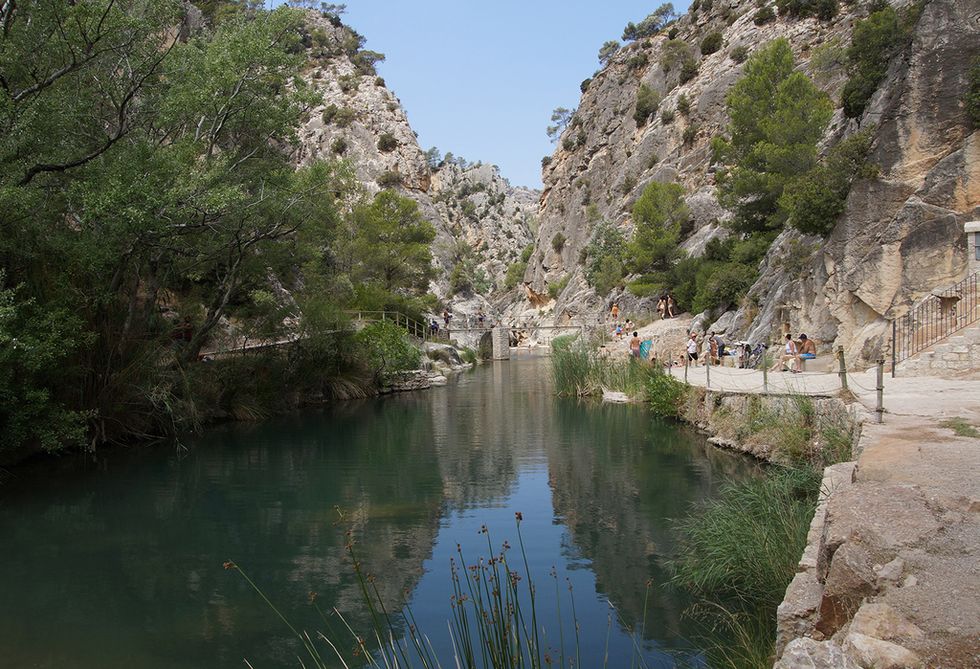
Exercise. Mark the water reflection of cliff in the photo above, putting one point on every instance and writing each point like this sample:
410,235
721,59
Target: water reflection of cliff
618,477
483,434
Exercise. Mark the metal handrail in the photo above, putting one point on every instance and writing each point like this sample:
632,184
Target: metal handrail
935,318
416,329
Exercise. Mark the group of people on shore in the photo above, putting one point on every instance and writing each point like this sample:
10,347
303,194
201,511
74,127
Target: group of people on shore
716,349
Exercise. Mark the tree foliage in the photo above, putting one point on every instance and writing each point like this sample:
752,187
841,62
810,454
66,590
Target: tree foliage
607,51
656,21
144,180
647,101
658,215
390,245
813,202
874,42
560,118
605,257
777,118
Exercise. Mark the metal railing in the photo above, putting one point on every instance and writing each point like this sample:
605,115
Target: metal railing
934,319
414,328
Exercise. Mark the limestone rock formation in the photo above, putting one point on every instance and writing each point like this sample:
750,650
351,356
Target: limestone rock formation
361,121
901,235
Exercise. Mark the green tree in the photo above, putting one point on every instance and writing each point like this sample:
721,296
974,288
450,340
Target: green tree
656,21
813,202
133,165
605,257
874,42
777,118
711,43
560,118
658,215
607,51
391,244
647,101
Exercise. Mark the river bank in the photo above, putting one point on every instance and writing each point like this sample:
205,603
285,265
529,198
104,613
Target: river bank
888,578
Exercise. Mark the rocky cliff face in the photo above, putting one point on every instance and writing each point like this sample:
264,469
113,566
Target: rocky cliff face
481,209
901,235
475,211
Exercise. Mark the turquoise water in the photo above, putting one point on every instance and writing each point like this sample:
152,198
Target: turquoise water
118,562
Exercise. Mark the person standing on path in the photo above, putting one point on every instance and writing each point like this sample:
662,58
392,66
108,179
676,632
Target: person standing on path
635,345
671,305
614,312
692,347
446,316
662,307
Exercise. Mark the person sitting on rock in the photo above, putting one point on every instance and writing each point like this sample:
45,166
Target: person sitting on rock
790,352
808,351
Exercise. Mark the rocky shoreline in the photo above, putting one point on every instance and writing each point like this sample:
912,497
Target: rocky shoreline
888,578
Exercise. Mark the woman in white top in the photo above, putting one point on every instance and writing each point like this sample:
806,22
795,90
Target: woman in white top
788,356
692,348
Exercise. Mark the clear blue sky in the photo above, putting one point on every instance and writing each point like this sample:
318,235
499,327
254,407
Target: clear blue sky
480,78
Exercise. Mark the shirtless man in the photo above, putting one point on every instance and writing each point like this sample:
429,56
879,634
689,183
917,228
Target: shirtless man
635,346
808,351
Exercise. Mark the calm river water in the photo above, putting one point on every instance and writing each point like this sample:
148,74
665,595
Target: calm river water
119,563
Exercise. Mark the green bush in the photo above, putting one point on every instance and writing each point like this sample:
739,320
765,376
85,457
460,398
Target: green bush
568,143
338,145
390,179
637,61
711,43
874,42
527,252
348,82
388,348
664,395
764,16
723,286
584,86
973,96
822,9
674,53
739,53
667,116
555,288
813,202
647,101
690,134
339,116
545,161
514,274
683,104
689,70
387,142
558,242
